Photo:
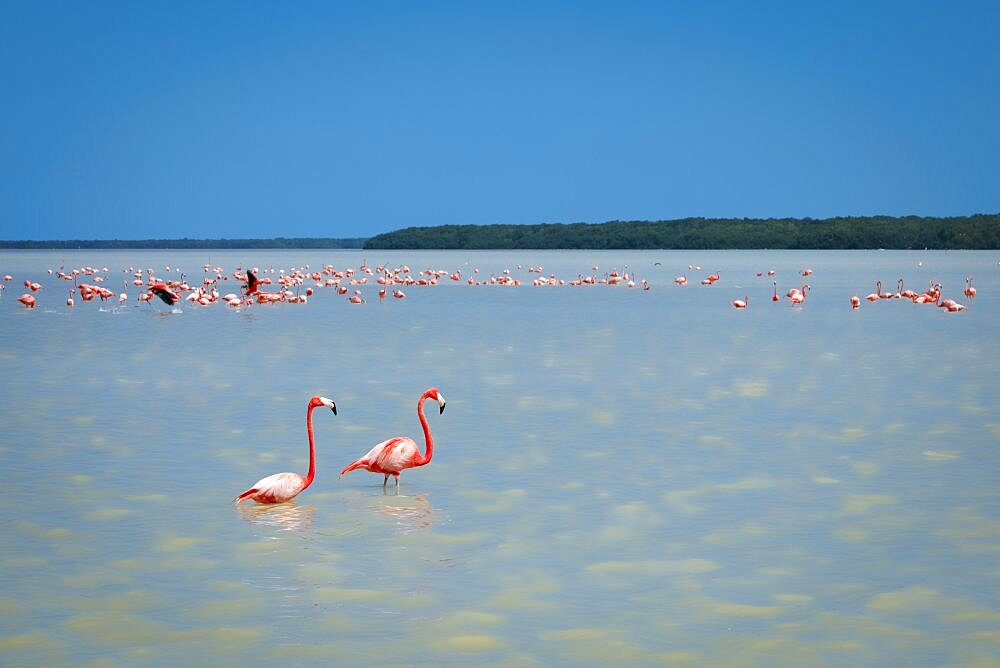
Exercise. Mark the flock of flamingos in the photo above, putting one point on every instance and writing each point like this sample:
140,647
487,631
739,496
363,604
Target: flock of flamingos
295,286
392,456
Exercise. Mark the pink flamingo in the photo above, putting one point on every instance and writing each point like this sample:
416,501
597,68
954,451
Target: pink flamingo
875,296
775,298
969,291
909,294
855,302
251,289
799,296
282,487
740,303
391,456
168,296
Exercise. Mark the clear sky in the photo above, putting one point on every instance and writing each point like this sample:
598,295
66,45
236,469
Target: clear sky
239,119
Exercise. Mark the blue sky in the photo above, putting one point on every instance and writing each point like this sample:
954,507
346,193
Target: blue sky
260,119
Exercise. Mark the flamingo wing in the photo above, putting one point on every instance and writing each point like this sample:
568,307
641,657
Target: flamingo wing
276,488
251,283
394,454
165,294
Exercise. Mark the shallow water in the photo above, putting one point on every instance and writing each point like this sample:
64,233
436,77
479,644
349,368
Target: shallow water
620,476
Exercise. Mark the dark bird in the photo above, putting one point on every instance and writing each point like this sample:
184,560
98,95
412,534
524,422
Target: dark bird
165,293
251,286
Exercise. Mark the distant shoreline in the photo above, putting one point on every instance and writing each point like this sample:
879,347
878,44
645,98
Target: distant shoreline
975,232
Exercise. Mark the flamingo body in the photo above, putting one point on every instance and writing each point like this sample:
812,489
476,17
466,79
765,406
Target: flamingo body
393,455
389,457
276,488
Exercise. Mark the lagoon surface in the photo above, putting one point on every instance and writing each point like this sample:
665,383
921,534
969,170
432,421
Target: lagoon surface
621,476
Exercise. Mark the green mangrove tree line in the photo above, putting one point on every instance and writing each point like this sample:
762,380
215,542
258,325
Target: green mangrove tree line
981,231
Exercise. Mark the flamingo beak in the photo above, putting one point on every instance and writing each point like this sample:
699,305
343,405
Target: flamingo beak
440,404
329,404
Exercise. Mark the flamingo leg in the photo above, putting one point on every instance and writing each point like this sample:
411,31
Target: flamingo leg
386,480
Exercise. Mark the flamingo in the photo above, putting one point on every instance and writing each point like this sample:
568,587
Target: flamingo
775,298
251,287
969,291
27,299
282,487
855,302
909,294
168,296
681,280
875,296
740,303
391,456
799,297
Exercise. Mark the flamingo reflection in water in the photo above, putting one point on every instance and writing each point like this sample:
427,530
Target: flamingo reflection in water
283,516
412,513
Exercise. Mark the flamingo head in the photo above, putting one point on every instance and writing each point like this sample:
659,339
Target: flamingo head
323,401
433,393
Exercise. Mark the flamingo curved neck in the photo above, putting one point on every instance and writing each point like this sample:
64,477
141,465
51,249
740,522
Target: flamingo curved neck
312,446
428,439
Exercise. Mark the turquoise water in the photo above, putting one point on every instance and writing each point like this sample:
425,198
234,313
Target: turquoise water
620,476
